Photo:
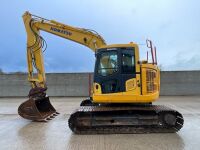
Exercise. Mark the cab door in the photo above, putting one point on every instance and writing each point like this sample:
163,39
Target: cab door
108,71
129,76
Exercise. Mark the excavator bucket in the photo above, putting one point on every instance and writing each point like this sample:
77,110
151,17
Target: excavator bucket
38,107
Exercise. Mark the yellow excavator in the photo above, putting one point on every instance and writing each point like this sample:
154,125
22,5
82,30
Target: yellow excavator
123,86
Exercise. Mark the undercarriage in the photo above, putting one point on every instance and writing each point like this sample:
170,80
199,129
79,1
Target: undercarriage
125,119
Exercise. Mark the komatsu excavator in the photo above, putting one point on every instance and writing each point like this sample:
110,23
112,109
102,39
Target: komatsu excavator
123,86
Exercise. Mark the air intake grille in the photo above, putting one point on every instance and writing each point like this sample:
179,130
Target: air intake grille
151,81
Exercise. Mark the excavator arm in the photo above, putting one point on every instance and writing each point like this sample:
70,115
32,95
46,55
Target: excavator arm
38,107
35,43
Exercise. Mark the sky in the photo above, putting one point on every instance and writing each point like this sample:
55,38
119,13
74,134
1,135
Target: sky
172,25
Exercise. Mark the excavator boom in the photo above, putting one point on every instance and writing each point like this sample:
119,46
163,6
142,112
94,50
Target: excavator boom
35,42
38,107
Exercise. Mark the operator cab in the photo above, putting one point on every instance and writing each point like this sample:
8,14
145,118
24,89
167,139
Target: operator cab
114,66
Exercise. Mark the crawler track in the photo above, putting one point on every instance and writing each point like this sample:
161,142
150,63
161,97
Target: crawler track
126,119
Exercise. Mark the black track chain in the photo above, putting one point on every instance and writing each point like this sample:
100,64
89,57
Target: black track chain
159,110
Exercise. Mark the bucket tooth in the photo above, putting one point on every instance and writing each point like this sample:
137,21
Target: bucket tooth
54,114
48,118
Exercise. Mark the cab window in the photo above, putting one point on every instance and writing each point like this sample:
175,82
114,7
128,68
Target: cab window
108,63
128,62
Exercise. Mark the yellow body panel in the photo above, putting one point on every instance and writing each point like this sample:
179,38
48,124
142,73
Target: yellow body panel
131,85
124,97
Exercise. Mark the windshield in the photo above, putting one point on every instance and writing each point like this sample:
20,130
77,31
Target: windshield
108,63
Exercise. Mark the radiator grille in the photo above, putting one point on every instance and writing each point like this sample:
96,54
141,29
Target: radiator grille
151,81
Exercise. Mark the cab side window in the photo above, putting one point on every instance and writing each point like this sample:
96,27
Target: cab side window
128,62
